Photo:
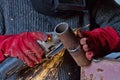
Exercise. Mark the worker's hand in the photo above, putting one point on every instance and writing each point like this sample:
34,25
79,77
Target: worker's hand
84,43
99,42
22,46
89,54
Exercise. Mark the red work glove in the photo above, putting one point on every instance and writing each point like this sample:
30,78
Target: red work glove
99,42
22,46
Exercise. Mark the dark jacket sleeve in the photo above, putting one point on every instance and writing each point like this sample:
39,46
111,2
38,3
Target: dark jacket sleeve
106,13
2,26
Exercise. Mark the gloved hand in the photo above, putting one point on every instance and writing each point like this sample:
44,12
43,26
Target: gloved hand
22,46
99,42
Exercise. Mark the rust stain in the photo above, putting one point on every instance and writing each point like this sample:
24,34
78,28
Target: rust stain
101,78
85,77
100,70
91,76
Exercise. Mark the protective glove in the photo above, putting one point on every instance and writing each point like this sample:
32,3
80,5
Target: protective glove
99,42
22,46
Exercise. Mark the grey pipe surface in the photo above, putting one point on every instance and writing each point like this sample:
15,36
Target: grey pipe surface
71,43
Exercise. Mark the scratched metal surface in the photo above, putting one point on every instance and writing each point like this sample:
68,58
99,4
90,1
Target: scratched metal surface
106,69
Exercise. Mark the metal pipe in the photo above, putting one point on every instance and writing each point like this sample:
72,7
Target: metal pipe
71,43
